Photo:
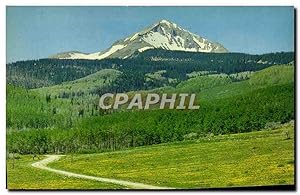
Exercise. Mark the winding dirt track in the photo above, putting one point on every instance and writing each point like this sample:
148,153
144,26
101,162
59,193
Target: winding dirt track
50,158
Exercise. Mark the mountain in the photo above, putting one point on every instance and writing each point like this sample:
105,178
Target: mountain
164,34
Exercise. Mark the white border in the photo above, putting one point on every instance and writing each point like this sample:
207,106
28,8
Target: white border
4,3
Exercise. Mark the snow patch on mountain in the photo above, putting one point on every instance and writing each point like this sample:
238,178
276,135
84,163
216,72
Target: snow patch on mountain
112,50
132,37
164,34
145,48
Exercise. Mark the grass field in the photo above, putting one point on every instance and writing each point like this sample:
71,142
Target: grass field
248,159
24,176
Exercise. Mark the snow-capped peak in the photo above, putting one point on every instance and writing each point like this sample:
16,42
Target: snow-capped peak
163,34
167,23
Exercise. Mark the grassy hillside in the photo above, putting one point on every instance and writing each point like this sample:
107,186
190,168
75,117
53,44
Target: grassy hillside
218,86
90,83
200,83
274,75
247,159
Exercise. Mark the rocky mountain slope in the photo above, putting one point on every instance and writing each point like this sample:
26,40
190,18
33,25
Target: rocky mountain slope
164,34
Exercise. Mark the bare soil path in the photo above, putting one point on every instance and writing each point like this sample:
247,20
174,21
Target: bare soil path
50,158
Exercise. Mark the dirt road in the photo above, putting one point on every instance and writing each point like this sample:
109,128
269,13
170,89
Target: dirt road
50,158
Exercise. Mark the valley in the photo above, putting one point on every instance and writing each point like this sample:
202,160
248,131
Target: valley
234,129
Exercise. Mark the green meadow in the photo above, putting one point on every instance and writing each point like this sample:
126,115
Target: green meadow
22,176
258,158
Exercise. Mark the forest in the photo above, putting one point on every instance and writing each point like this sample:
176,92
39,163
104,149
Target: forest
176,64
137,128
233,99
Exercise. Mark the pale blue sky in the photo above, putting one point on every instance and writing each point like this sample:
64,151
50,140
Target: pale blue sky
37,32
